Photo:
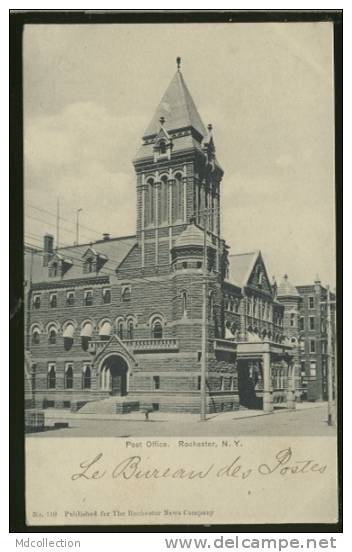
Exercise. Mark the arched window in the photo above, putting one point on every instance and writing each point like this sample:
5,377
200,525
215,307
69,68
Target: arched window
68,336
36,302
120,329
35,336
157,330
130,329
52,336
51,381
162,147
163,203
86,377
126,293
150,199
68,382
86,335
184,303
105,330
177,199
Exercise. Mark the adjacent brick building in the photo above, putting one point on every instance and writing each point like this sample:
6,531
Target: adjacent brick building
314,335
117,324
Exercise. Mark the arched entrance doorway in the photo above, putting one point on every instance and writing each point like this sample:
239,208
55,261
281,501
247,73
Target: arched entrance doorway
113,375
248,375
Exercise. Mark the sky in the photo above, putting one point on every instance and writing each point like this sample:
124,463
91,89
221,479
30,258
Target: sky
91,90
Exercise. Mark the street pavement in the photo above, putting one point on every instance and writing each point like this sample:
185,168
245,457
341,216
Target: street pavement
309,419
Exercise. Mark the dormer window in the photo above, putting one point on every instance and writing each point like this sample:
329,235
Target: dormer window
93,261
53,269
89,265
59,265
163,143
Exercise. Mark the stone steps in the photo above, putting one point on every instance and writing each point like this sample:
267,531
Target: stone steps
112,405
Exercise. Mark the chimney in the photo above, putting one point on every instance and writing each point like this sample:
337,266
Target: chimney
48,248
106,236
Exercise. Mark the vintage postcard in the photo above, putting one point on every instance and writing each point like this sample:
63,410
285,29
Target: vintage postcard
180,287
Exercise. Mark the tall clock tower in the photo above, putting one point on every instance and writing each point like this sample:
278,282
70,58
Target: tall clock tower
178,176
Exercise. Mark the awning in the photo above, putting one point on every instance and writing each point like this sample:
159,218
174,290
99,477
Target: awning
68,331
105,329
87,330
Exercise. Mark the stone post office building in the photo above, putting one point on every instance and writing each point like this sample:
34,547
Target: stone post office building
116,324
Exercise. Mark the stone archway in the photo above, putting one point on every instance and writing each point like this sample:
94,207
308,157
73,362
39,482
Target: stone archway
247,380
114,375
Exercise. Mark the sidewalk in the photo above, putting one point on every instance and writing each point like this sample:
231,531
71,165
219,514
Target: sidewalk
53,415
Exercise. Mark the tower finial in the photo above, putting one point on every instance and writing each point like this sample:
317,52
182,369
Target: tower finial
162,120
178,61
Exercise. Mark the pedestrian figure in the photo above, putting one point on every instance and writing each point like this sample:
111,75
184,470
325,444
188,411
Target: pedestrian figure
146,414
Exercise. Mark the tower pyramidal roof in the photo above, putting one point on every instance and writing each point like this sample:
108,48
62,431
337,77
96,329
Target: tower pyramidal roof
178,109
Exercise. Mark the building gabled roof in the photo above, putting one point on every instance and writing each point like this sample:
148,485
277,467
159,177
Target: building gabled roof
114,249
248,269
178,109
241,266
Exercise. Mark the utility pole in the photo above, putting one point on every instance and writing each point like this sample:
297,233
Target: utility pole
58,222
77,226
28,292
204,322
329,359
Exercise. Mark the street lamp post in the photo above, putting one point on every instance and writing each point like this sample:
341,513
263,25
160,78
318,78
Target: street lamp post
329,355
204,322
